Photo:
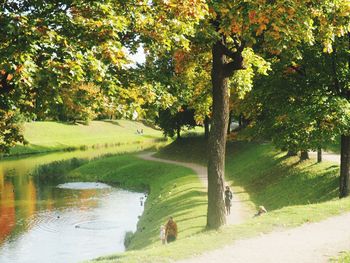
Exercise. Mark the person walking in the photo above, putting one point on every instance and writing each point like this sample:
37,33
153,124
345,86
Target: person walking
171,230
228,199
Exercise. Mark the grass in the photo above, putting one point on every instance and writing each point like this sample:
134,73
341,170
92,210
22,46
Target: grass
54,136
294,193
173,191
344,257
266,174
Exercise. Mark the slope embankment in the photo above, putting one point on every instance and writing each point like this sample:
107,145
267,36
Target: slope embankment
47,136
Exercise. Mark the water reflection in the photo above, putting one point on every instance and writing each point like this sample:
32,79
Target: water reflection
65,225
40,222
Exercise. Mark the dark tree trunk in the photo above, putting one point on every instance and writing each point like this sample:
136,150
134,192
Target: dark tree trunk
206,127
178,132
240,120
229,123
304,155
319,155
217,141
291,153
344,186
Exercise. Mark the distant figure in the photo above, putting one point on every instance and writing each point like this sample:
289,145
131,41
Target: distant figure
228,199
170,230
141,201
261,211
141,131
162,234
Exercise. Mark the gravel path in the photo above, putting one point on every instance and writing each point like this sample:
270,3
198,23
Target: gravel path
238,212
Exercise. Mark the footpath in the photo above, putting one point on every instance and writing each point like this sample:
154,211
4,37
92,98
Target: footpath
309,243
239,213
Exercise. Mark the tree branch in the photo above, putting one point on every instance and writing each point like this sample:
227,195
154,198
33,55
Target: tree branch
235,64
232,54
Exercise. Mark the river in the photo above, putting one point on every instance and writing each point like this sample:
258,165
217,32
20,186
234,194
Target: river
46,222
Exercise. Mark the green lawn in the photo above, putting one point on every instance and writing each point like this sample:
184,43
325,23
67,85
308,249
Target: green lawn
54,136
294,193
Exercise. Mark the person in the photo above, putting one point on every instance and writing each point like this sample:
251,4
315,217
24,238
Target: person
162,234
171,230
141,201
228,198
261,211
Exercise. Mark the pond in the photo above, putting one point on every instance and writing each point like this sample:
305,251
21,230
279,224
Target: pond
72,222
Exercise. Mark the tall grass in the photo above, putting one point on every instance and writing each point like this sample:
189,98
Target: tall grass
58,169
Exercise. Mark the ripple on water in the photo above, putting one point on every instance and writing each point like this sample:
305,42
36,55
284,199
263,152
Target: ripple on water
97,225
83,186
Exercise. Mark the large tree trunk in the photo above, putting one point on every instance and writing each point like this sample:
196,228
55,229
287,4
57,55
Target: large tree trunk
344,166
217,141
344,187
206,127
319,155
304,155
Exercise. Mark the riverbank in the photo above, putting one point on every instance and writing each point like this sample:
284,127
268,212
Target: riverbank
42,137
294,194
172,191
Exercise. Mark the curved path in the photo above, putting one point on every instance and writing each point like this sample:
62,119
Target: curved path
309,243
238,213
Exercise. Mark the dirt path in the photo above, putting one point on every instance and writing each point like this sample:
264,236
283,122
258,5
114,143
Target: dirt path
310,243
238,214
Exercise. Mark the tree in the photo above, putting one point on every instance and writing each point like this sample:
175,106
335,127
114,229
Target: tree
48,46
231,27
238,25
173,123
10,130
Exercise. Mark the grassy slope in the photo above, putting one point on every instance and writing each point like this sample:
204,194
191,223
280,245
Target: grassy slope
294,193
174,190
53,136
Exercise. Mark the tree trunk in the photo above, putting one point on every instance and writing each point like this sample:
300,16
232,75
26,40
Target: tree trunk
344,166
319,155
206,127
345,150
304,155
217,141
291,153
178,132
240,120
229,123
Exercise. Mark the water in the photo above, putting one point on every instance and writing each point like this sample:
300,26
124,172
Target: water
70,222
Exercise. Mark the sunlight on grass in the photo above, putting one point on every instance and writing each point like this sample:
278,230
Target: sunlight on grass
173,191
53,136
